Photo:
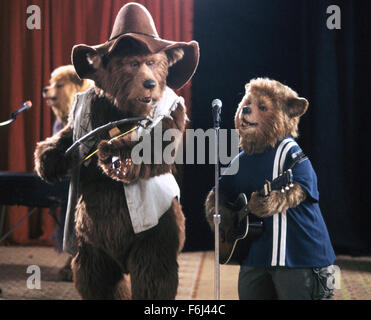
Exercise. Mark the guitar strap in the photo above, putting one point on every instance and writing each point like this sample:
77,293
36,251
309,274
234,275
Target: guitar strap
280,219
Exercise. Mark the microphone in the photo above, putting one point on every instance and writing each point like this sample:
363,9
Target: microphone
216,106
25,106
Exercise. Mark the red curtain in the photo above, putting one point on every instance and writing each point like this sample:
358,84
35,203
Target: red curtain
27,58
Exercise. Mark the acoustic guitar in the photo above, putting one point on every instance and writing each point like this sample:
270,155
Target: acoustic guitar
238,227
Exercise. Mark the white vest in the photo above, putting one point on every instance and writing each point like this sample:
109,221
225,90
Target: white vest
149,199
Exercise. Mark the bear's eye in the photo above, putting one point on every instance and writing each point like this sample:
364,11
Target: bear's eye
59,85
248,102
150,63
263,108
134,64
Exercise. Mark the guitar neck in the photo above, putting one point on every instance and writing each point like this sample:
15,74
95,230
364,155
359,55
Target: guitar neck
282,182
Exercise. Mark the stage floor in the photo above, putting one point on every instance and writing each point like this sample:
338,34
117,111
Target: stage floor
196,277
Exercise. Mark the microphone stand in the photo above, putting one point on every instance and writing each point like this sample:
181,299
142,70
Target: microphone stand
217,214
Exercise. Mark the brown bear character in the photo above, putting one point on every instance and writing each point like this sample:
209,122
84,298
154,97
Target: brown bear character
124,216
294,253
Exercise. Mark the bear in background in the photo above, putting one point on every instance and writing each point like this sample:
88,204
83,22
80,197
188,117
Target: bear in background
294,234
64,83
124,217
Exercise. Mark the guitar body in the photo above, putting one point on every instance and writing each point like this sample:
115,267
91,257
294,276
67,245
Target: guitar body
238,227
236,248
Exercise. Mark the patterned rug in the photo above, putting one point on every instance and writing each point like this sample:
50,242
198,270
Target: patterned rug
195,276
17,284
355,280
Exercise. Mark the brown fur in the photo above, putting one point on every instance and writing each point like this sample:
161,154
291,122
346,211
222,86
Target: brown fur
107,244
276,202
274,113
63,85
281,118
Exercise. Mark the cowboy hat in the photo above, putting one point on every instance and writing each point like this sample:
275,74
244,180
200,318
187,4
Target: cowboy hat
134,21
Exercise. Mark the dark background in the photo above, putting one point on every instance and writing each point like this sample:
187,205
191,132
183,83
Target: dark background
290,42
286,40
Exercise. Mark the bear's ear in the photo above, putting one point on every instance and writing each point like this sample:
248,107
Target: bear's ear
94,59
86,61
296,107
174,55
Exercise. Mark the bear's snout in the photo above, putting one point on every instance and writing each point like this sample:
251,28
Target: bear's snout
246,110
149,84
48,92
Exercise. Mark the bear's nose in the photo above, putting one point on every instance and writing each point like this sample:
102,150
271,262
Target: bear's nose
149,84
246,110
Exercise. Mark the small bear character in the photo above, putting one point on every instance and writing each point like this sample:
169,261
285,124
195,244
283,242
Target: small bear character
294,235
